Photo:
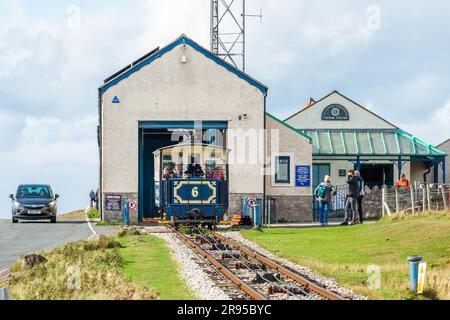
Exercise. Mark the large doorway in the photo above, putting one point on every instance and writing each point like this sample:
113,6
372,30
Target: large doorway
159,134
378,174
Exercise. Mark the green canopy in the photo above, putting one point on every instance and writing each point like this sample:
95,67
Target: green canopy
370,143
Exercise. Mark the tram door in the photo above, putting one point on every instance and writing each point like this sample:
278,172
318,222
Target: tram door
320,170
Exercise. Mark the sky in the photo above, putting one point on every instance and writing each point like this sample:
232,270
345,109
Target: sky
390,56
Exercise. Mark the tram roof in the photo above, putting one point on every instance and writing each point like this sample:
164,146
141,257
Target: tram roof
190,145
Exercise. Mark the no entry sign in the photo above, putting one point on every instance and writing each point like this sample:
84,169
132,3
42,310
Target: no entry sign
133,205
251,202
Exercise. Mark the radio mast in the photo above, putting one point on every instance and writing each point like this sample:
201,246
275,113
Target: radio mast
228,30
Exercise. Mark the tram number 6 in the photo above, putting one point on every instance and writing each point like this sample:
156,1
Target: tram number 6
195,192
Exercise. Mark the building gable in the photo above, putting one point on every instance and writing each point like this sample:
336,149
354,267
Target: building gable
158,53
335,111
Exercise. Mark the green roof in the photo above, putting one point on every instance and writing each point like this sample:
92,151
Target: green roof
393,142
300,132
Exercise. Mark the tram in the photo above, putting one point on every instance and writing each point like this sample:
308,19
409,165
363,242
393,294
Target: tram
191,184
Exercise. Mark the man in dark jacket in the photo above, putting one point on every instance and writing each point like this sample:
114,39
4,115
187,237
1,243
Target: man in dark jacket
195,171
352,199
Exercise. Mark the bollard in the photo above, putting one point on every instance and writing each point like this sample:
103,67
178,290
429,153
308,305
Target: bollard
257,216
245,209
414,272
4,294
126,211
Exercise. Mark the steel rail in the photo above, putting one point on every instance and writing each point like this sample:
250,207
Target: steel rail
283,289
255,295
295,277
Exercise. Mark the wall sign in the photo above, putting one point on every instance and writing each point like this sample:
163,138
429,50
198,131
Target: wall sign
116,100
335,112
113,203
302,176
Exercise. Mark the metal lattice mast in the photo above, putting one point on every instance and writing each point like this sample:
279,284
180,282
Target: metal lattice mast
228,31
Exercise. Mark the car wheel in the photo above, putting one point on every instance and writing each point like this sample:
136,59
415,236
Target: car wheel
53,220
15,220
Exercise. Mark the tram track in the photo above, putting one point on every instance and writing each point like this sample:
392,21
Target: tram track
258,277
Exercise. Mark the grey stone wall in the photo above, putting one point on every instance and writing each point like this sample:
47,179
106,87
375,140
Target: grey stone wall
293,208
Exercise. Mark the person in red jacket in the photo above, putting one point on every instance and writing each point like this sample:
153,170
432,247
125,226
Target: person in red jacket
403,183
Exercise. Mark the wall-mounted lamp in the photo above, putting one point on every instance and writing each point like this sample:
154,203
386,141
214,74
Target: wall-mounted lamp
183,57
243,116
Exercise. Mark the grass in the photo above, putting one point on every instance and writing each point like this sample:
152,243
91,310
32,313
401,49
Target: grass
79,214
346,253
147,262
93,214
89,270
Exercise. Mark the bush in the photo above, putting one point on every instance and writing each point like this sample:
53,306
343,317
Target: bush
93,214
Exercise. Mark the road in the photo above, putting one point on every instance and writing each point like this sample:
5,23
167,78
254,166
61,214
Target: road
31,237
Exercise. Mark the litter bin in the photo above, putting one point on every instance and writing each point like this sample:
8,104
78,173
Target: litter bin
414,262
126,211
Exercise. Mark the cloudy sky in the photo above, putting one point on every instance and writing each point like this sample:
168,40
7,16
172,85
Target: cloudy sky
55,54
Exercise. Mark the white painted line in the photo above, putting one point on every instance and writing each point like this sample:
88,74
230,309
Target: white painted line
4,271
89,222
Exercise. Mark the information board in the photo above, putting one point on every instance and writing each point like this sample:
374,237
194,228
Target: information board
302,176
113,203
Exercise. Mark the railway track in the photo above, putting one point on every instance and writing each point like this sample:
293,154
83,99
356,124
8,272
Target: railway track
257,276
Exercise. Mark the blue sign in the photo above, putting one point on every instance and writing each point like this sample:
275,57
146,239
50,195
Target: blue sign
302,176
116,100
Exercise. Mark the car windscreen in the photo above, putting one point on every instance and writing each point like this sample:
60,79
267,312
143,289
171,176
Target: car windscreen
34,192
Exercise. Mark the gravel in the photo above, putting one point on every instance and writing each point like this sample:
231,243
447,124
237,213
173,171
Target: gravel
202,278
325,282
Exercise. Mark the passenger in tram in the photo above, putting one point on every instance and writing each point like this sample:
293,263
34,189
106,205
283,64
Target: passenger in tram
209,174
178,171
219,174
195,170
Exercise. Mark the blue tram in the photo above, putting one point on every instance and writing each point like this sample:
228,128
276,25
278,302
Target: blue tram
191,183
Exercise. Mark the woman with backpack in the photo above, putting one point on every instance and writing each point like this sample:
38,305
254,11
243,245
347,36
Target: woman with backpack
324,194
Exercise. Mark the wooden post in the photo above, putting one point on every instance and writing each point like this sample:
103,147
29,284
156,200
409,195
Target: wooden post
428,198
424,198
397,209
383,200
412,201
444,199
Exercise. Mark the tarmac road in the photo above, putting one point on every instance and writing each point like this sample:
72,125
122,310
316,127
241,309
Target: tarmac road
23,238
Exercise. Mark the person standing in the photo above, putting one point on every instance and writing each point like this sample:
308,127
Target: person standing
324,194
362,193
92,197
97,199
403,183
351,204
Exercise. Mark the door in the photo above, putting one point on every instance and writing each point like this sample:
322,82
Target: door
320,170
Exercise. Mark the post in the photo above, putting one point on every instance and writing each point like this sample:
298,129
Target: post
412,201
444,199
414,272
428,198
4,294
383,200
424,199
257,216
396,201
126,211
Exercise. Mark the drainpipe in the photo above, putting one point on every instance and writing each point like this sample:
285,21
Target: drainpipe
426,174
99,137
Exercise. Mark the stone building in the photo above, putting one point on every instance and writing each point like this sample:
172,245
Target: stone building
183,87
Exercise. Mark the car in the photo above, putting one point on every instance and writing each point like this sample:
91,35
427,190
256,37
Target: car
34,202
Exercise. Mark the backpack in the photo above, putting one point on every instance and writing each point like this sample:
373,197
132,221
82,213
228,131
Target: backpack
322,191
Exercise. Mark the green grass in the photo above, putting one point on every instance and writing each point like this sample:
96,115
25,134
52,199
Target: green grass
345,253
147,262
82,270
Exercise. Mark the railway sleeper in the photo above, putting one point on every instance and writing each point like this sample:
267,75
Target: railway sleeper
230,255
267,277
290,288
250,265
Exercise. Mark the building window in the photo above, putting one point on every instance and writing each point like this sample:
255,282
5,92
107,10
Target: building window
283,170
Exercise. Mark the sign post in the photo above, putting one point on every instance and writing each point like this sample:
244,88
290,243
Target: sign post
422,273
